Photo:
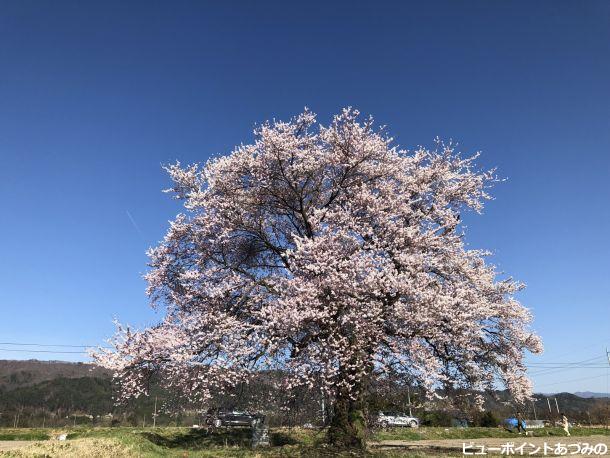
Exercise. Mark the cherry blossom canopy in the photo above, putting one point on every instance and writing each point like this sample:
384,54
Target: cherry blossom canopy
330,254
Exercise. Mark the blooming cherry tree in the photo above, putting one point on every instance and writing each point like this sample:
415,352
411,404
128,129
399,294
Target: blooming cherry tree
333,256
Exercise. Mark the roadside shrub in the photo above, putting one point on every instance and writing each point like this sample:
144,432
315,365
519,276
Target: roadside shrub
436,418
488,420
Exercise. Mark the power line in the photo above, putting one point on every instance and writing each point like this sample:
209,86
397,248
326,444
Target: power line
41,351
567,366
562,368
46,345
549,366
28,344
578,350
585,362
574,362
543,365
573,380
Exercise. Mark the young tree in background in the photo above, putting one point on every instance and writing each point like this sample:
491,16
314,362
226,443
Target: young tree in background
331,255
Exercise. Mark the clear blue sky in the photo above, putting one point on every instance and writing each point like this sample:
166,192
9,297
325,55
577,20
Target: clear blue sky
94,97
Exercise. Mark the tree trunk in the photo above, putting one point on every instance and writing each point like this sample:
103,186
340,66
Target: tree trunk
348,424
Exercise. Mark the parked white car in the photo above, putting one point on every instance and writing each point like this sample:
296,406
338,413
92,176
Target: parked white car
387,419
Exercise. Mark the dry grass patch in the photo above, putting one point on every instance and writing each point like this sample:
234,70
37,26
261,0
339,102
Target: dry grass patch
78,448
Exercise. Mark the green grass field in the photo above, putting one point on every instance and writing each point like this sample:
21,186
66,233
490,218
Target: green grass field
185,442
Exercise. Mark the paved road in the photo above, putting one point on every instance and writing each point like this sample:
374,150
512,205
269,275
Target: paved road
494,446
12,445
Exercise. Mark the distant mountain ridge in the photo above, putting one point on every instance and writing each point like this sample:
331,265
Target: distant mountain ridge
591,394
21,373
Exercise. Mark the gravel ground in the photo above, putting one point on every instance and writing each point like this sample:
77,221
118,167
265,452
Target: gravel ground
556,446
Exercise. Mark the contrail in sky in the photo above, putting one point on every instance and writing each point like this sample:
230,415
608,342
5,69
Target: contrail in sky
133,221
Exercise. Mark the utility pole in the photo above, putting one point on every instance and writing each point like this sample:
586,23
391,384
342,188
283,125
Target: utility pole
534,406
323,411
549,403
409,399
557,406
155,414
607,388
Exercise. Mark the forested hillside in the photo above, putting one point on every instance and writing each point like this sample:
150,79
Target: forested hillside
33,393
16,374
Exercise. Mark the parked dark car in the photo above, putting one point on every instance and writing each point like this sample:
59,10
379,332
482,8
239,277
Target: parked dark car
219,418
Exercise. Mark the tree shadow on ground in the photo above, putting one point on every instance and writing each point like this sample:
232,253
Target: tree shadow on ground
201,439
279,438
283,444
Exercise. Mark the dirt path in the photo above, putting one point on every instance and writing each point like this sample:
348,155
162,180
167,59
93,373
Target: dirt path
555,446
12,445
